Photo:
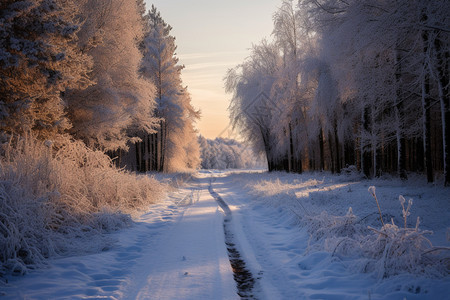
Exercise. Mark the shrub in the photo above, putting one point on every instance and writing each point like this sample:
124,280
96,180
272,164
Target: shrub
58,199
394,249
388,251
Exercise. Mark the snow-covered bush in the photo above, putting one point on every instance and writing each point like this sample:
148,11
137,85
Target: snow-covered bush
58,199
352,173
388,251
326,225
394,250
358,238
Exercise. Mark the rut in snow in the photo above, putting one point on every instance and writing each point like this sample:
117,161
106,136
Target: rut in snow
243,277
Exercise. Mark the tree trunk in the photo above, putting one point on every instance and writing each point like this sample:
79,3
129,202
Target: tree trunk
155,151
330,147
150,152
158,150
366,163
365,155
426,110
373,143
119,158
443,57
312,160
146,154
337,144
426,107
138,157
398,110
163,166
321,150
291,150
265,138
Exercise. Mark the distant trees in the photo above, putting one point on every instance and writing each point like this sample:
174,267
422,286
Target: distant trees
356,82
103,72
227,154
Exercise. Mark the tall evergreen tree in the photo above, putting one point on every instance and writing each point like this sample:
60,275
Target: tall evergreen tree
109,114
167,148
39,59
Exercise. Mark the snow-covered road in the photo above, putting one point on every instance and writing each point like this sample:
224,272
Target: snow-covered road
189,258
182,248
175,251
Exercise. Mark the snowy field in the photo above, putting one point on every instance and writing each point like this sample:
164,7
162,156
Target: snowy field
296,234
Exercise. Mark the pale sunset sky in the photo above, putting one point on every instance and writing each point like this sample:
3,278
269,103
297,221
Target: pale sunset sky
213,36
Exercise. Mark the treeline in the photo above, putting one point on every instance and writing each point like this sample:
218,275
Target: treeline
223,154
362,83
102,72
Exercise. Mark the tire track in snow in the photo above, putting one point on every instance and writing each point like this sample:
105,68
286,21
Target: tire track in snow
243,277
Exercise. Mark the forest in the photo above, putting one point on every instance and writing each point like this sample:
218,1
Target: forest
349,83
90,91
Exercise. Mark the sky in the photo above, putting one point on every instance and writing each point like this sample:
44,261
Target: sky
213,36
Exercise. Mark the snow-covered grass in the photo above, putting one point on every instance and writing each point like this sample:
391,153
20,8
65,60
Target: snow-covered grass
58,200
342,217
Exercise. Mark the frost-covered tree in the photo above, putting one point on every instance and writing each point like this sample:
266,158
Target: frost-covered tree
39,60
285,89
251,107
182,150
109,114
399,39
294,36
436,25
376,47
170,148
357,82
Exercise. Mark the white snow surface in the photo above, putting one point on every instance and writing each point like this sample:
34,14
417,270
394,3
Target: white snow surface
176,250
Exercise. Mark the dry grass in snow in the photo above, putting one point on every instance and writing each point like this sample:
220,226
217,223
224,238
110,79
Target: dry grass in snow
59,201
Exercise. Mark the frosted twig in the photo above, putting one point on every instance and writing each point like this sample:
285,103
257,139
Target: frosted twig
372,192
377,231
436,249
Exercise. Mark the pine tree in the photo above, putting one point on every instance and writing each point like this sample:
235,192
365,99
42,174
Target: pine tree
160,65
39,60
109,114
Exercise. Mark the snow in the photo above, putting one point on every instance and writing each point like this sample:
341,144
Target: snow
176,250
303,268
